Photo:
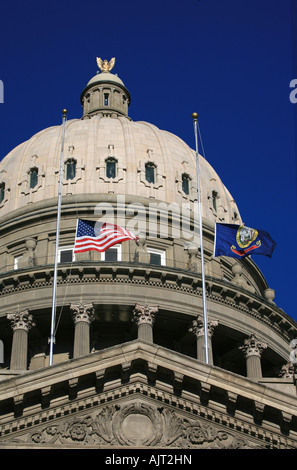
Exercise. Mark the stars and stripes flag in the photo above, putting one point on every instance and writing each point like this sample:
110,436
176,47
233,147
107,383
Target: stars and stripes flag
91,235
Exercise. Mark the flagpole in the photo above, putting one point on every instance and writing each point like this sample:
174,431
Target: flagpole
52,336
195,121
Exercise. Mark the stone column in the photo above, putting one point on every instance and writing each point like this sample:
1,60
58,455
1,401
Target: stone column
83,315
144,317
21,323
197,329
252,349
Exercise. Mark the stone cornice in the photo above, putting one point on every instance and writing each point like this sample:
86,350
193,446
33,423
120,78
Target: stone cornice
167,278
153,360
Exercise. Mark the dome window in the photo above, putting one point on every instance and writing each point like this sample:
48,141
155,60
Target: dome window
157,257
2,192
112,254
33,177
70,168
66,255
186,183
106,99
150,172
111,168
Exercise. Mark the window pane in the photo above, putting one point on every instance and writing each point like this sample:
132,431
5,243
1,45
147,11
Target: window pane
2,192
155,258
106,97
111,254
66,256
110,169
70,169
33,178
150,173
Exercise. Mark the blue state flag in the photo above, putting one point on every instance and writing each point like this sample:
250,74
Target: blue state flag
238,241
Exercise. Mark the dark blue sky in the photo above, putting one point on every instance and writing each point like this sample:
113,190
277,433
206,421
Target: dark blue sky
229,60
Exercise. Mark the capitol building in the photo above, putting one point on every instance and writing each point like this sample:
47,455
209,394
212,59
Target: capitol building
129,366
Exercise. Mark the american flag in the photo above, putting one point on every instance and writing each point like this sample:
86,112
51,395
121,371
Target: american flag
91,235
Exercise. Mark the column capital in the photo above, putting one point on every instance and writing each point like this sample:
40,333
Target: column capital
82,312
197,327
144,314
21,320
252,346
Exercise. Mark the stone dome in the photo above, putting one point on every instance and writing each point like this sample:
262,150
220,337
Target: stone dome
89,143
105,77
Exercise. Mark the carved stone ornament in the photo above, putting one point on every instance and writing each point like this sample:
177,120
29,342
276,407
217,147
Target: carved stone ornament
144,314
21,320
252,346
136,424
287,371
82,312
197,327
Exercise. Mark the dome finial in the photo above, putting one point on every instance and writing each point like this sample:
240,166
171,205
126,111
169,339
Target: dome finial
104,65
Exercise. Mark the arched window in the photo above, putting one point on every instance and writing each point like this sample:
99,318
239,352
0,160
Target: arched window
186,183
2,192
111,167
150,172
33,177
70,167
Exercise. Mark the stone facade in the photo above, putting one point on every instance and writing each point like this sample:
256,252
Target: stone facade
129,361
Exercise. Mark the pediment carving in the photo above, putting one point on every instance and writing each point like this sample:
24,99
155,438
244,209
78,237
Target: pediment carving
135,423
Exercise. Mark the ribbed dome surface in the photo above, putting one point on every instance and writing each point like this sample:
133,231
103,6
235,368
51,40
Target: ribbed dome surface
89,143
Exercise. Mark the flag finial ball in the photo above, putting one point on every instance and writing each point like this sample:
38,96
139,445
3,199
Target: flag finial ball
195,115
64,111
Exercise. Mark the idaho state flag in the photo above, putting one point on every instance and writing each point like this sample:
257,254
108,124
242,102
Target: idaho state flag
238,241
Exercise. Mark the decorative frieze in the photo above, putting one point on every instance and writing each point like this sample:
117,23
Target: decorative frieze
134,424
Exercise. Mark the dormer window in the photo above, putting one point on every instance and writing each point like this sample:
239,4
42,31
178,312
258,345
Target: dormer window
70,169
33,177
150,172
186,183
2,192
106,99
111,168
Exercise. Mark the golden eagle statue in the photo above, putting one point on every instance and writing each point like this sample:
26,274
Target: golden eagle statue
104,65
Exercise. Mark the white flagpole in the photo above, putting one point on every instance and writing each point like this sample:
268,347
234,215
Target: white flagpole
52,336
195,121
